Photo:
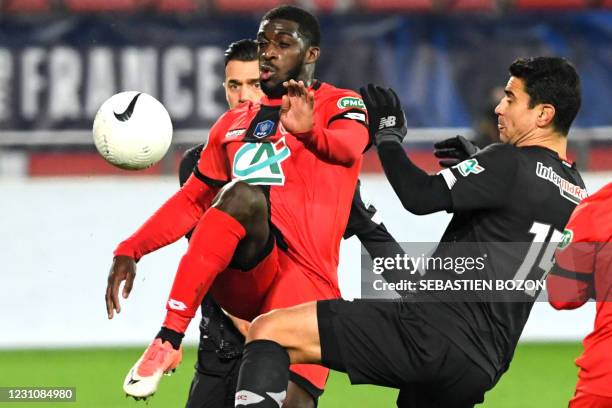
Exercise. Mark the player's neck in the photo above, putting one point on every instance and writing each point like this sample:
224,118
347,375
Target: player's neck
306,75
550,140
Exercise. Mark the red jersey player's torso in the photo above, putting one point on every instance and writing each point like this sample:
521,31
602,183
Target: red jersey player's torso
591,225
310,198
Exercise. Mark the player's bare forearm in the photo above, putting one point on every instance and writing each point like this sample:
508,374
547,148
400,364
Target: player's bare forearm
419,192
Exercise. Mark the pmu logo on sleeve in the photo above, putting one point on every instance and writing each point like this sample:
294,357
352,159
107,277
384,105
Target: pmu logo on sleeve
350,102
261,163
469,166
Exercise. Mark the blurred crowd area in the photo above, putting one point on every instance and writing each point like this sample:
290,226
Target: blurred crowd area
323,6
447,59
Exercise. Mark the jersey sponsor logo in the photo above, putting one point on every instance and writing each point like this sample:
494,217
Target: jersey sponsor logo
469,166
263,129
568,236
235,133
387,122
568,190
260,163
350,102
176,305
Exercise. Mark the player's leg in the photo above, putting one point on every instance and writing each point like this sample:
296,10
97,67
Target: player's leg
234,229
310,377
296,329
374,342
219,354
209,391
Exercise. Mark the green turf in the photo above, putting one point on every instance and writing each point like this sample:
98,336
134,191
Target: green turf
541,376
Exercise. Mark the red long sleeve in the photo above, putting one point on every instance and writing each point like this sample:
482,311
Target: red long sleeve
171,221
342,142
566,293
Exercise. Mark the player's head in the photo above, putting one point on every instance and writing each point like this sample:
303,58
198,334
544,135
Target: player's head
289,40
241,73
542,95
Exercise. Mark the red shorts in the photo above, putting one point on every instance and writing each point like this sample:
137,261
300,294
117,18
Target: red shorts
276,282
584,400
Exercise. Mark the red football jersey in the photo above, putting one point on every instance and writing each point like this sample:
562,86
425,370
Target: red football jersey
583,271
310,177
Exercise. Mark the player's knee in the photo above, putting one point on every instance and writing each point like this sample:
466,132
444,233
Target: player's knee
242,201
264,327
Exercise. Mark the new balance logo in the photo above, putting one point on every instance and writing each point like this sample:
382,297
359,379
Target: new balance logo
176,305
387,122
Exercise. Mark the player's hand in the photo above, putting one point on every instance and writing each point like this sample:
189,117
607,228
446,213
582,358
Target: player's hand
454,150
297,108
387,121
123,269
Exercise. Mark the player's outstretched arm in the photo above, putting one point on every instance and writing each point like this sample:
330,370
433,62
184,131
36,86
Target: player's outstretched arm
340,142
172,221
419,192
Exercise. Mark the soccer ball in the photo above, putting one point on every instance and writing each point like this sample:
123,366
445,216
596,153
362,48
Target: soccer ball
132,130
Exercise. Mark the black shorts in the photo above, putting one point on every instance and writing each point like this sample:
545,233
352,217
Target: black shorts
386,343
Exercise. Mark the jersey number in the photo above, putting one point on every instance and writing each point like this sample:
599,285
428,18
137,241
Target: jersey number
540,249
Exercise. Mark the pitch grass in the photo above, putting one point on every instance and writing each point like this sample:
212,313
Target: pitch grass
542,375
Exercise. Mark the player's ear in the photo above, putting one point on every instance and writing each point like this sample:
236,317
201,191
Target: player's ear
312,55
546,115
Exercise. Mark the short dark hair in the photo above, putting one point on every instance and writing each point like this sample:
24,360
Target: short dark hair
308,24
551,80
242,50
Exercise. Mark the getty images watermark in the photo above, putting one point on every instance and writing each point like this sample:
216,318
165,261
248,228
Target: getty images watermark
506,272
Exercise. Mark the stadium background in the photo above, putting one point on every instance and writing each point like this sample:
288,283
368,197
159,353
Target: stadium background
63,209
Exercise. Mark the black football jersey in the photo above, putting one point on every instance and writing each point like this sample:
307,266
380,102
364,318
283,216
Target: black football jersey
510,206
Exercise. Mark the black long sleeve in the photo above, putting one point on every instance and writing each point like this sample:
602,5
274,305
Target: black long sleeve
419,192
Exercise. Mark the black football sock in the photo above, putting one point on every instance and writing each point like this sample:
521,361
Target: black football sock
175,338
264,375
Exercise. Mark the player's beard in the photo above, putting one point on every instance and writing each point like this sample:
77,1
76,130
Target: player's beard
277,90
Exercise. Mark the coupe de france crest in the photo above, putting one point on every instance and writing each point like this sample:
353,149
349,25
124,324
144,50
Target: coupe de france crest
263,129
